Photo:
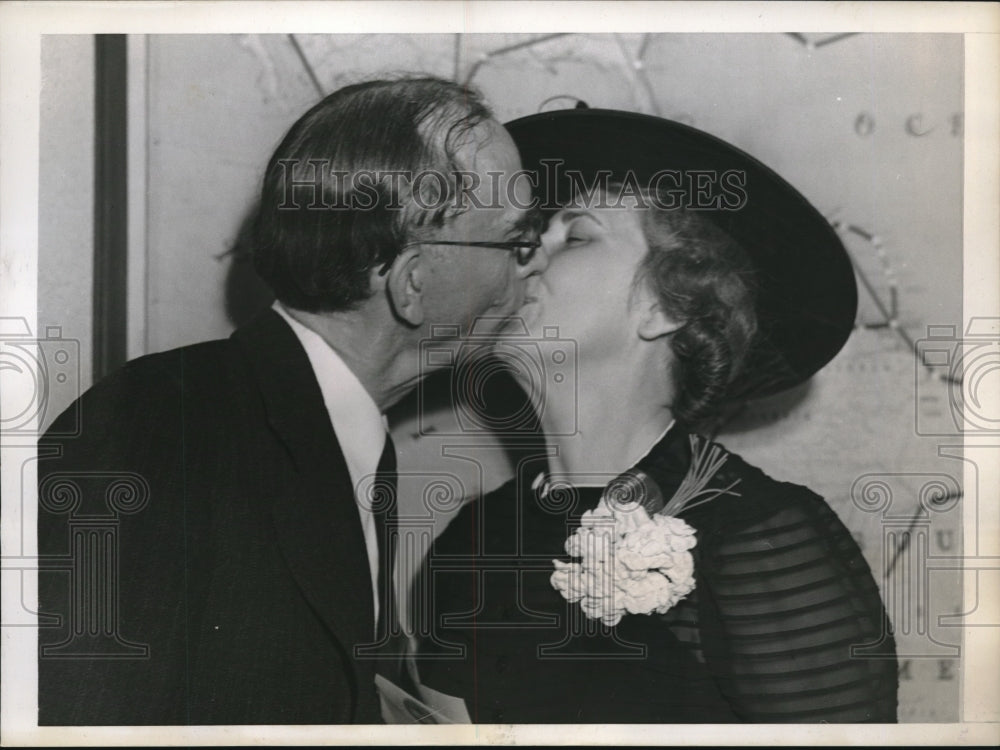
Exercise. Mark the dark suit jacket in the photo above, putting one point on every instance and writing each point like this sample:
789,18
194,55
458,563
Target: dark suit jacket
202,548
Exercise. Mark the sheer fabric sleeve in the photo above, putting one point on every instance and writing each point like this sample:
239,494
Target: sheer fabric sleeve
785,600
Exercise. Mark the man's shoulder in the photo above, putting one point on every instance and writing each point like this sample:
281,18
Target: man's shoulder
171,370
169,377
170,364
210,361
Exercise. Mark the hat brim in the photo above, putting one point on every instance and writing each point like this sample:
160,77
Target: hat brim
807,294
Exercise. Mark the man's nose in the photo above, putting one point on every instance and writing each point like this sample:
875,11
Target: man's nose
538,263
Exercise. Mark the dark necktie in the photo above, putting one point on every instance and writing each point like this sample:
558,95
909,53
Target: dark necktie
390,640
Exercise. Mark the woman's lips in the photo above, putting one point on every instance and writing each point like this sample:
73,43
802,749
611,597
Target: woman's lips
533,289
529,303
529,312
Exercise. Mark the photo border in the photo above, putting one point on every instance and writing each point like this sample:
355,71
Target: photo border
21,28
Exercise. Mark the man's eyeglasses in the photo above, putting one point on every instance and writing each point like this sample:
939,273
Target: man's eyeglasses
524,251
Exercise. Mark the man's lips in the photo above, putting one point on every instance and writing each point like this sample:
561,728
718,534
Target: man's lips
533,295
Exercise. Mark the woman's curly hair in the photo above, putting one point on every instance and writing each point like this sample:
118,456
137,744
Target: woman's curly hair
702,279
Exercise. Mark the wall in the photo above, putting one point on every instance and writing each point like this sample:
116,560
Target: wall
66,208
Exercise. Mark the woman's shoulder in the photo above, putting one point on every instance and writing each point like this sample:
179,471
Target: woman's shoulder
773,534
758,503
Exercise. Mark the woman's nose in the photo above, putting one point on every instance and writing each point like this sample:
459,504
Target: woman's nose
553,240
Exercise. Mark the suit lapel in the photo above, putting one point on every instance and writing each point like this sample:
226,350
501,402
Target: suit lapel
316,519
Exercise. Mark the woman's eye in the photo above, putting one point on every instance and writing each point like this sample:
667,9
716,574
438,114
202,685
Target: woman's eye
579,231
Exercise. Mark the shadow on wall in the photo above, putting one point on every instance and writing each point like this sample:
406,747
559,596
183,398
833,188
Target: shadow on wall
443,407
246,294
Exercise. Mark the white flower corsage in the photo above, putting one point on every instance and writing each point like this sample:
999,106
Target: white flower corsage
629,561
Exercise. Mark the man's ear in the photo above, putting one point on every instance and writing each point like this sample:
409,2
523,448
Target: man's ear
404,285
653,323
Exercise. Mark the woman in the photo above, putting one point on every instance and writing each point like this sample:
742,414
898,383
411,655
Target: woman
634,572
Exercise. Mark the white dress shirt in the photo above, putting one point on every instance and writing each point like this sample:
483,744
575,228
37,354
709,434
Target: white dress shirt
356,419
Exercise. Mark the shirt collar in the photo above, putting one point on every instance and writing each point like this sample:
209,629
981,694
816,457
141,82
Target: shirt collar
360,426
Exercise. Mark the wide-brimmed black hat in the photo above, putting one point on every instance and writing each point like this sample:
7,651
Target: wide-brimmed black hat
807,296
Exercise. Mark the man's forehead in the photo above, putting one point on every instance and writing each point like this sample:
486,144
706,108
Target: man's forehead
518,214
488,147
498,216
502,197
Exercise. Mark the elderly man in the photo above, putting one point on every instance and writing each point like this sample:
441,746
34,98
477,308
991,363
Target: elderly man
242,583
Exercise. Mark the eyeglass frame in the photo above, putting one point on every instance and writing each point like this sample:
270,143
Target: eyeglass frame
512,247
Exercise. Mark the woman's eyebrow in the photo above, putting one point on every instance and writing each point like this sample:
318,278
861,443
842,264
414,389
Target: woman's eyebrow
568,214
